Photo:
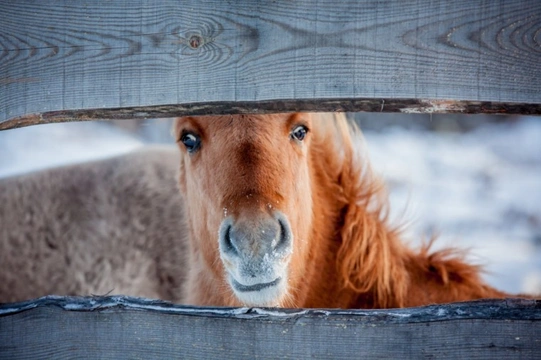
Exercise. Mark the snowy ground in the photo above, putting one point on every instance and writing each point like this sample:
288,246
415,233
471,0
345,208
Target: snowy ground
479,190
39,147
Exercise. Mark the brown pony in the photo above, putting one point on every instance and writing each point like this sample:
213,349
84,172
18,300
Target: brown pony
284,210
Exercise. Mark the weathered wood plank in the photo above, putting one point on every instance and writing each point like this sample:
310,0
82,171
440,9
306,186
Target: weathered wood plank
57,56
242,107
118,327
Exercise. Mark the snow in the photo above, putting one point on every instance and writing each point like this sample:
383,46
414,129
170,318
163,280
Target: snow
479,190
43,146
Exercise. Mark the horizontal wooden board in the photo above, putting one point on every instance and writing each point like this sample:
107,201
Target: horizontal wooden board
120,327
146,58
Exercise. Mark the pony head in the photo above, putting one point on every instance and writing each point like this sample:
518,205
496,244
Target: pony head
246,183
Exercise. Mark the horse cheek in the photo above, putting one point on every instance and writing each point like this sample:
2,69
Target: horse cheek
182,179
302,217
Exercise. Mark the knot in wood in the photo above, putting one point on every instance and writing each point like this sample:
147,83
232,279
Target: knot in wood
195,41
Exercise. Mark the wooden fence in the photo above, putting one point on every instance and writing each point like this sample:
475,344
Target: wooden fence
119,327
72,61
64,61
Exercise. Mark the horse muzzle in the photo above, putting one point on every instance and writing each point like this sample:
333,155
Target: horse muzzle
255,251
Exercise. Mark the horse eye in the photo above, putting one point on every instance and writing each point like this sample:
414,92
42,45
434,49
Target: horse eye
191,141
299,132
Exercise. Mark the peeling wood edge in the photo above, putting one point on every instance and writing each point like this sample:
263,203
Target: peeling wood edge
486,309
418,106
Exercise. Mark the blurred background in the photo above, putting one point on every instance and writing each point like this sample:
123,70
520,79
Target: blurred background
475,181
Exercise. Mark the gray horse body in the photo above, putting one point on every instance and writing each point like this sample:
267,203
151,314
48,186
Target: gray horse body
109,226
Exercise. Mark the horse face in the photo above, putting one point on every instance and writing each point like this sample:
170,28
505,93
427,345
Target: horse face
246,182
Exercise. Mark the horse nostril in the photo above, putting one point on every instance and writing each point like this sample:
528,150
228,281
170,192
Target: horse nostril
284,241
254,239
228,244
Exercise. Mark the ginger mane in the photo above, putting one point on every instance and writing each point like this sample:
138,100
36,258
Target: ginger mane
370,258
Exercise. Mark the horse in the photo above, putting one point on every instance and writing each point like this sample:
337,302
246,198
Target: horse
284,210
110,226
273,210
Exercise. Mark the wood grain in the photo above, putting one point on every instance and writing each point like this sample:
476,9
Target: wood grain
59,55
119,327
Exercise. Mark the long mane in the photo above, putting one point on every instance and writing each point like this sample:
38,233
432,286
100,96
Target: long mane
370,257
